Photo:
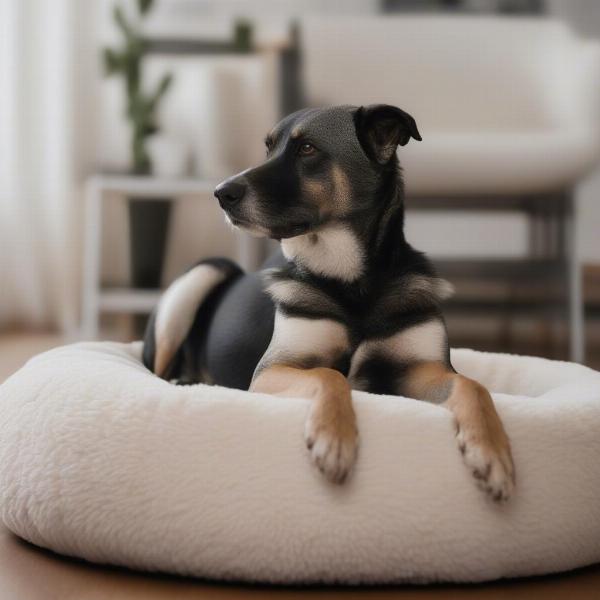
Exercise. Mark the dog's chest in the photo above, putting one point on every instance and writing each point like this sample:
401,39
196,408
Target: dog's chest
307,296
333,252
373,306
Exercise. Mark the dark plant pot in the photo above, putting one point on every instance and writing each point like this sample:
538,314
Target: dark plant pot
148,232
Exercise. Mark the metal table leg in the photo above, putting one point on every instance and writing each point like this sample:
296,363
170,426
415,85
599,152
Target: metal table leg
91,263
574,283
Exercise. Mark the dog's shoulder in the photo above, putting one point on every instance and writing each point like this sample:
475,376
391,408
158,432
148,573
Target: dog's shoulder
298,293
412,283
409,292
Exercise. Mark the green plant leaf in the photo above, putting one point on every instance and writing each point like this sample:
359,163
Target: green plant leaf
113,61
121,21
163,86
144,6
149,129
141,106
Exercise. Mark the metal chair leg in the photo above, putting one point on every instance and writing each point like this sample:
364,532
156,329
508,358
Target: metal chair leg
574,284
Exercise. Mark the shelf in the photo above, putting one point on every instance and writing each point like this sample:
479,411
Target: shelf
129,300
152,187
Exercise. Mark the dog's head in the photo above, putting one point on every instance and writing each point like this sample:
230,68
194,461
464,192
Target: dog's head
322,165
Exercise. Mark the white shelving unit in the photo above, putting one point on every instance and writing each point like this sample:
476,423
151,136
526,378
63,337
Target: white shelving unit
97,299
128,300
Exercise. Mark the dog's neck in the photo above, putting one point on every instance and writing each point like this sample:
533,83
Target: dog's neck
333,251
344,249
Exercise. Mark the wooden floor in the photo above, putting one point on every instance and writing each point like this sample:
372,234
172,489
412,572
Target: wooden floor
28,573
17,348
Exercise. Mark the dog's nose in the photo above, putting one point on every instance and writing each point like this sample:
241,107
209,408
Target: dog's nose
230,192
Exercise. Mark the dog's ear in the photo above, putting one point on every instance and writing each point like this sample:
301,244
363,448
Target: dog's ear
380,128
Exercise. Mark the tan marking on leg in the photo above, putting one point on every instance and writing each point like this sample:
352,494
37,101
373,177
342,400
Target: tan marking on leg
480,434
482,438
430,381
330,430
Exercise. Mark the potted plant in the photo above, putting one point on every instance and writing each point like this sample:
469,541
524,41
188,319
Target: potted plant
148,218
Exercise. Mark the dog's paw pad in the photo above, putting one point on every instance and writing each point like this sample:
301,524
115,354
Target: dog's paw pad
491,468
333,454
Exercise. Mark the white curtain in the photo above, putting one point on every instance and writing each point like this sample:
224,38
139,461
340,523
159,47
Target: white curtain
40,163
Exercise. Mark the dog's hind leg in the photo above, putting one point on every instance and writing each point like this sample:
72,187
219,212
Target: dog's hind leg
169,351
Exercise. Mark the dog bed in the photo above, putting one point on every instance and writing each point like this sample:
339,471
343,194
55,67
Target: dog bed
99,459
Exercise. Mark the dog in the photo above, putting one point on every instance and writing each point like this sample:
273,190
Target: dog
346,304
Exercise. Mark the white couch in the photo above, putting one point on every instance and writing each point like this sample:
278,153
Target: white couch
504,105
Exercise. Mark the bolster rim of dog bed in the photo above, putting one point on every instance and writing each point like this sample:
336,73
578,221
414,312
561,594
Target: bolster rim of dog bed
101,460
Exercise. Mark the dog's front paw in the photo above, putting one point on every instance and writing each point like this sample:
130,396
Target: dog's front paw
332,442
490,464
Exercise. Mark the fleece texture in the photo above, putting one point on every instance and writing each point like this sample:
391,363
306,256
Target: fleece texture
102,460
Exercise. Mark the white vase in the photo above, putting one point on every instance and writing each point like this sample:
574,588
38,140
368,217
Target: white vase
169,155
220,106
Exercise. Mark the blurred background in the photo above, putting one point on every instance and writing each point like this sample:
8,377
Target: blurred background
117,118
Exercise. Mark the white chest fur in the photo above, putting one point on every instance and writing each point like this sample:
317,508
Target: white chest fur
334,251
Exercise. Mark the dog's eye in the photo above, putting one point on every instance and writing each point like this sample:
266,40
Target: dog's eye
306,149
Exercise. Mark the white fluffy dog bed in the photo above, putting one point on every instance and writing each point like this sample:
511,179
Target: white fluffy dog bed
100,459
